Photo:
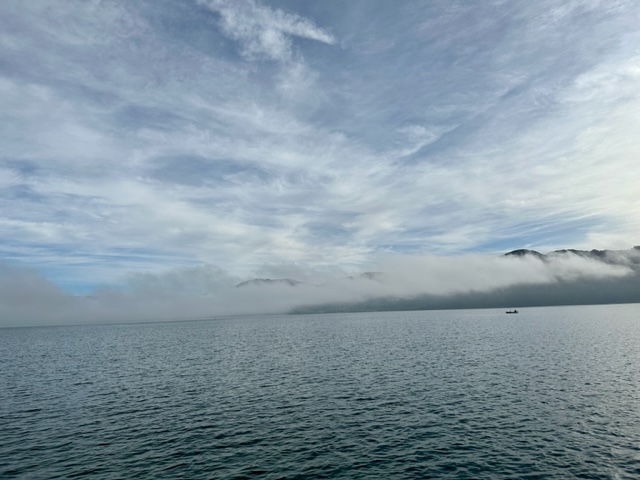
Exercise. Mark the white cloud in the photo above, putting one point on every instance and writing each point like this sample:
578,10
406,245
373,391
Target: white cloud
264,31
137,141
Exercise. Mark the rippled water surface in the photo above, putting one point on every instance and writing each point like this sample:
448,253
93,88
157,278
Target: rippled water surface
551,392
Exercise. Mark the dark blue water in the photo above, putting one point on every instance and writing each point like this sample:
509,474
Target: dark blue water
551,392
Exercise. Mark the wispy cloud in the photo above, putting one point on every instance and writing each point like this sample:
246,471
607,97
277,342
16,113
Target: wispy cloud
249,135
264,31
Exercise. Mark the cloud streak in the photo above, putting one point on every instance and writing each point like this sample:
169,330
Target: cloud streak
263,31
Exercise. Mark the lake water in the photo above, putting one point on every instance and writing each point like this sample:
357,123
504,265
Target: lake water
550,392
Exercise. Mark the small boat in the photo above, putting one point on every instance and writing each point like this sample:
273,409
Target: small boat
511,311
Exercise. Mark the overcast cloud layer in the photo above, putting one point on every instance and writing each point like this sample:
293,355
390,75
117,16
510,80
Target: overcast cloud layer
151,139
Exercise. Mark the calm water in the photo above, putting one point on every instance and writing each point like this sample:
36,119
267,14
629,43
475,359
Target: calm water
551,392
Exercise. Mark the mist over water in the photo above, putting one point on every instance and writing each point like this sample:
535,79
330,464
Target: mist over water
551,392
396,282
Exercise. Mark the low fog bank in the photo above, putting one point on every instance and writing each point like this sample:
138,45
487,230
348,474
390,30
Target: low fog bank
521,278
576,292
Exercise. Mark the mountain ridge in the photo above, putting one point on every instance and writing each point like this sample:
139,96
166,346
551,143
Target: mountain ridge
629,257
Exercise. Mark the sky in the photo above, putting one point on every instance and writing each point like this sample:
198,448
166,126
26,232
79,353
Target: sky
216,141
